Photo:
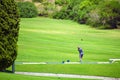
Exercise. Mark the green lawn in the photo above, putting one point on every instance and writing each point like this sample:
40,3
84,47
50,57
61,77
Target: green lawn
44,39
5,76
50,40
111,70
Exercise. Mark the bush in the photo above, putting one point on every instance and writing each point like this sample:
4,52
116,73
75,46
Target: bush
111,19
62,14
46,9
62,2
97,13
27,9
106,15
38,1
76,10
9,27
94,18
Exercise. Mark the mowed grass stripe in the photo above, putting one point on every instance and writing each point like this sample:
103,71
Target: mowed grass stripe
43,46
46,39
7,76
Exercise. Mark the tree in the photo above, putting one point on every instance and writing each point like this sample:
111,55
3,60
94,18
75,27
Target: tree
110,13
97,13
106,15
27,9
9,27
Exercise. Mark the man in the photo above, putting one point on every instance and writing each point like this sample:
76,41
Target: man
80,53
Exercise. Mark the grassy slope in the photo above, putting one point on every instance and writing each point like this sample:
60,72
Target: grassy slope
43,39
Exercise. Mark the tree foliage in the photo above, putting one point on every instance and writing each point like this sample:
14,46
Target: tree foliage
97,13
27,9
62,2
38,1
9,27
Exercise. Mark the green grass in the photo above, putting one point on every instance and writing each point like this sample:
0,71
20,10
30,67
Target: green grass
50,40
44,39
6,76
111,70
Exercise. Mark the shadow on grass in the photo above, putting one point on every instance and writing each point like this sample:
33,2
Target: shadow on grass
7,71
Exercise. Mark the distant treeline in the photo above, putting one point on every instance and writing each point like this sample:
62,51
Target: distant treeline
97,13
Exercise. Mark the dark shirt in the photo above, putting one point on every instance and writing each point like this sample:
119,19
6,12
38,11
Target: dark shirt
80,50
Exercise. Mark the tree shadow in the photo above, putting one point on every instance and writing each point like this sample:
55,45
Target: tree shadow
7,71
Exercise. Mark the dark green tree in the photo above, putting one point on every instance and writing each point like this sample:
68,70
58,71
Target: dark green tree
110,13
9,28
27,9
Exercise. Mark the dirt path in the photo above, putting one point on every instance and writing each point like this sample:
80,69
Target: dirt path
66,75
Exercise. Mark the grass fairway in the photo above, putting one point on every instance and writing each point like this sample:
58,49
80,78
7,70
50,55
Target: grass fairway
4,76
44,39
50,40
108,70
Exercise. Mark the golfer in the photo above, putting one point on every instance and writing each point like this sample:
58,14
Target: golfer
80,53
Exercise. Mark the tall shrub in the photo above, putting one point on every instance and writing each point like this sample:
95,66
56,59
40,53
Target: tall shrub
38,1
106,15
110,13
65,11
9,27
27,9
61,2
98,13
